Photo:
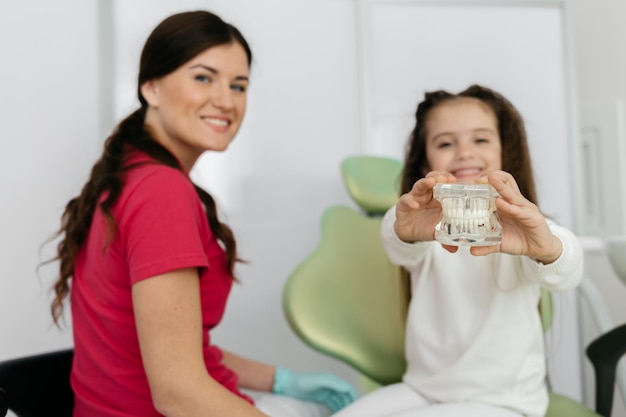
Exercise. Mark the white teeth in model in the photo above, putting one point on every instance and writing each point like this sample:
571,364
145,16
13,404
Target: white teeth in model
469,215
466,215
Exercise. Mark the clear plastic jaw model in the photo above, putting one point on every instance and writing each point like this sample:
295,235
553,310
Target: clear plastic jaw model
469,215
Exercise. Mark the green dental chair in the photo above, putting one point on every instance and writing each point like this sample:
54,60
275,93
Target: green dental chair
348,301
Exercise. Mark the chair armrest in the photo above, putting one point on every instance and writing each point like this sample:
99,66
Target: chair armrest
604,354
4,403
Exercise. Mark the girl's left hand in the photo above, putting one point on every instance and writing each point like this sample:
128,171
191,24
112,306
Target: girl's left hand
524,229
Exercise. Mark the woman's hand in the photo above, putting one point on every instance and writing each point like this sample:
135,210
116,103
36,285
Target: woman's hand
417,212
323,388
524,229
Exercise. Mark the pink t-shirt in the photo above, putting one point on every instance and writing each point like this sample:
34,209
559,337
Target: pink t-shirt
161,226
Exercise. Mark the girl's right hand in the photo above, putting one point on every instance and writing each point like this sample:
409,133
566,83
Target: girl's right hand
417,212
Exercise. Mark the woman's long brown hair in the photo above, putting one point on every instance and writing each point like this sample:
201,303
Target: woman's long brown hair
173,42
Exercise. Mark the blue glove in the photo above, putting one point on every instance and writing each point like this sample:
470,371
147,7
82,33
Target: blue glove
324,388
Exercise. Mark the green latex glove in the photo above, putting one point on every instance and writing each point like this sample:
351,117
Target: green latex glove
324,388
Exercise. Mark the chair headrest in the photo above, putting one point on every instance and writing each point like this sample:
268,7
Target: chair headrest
372,181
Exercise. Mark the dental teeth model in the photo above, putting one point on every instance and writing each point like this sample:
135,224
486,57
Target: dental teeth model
468,215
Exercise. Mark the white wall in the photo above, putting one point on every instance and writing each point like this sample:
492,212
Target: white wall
49,116
281,172
601,67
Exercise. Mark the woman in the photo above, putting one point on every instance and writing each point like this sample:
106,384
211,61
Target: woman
149,262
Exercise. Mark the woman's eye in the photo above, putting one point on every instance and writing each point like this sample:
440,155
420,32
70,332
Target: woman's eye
238,88
482,140
444,145
203,78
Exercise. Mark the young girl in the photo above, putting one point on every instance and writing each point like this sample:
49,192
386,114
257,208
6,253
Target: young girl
474,339
149,262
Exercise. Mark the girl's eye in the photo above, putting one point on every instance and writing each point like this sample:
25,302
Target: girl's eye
441,145
482,140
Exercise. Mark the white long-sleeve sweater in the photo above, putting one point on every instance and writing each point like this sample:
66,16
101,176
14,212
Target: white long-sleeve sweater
473,330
